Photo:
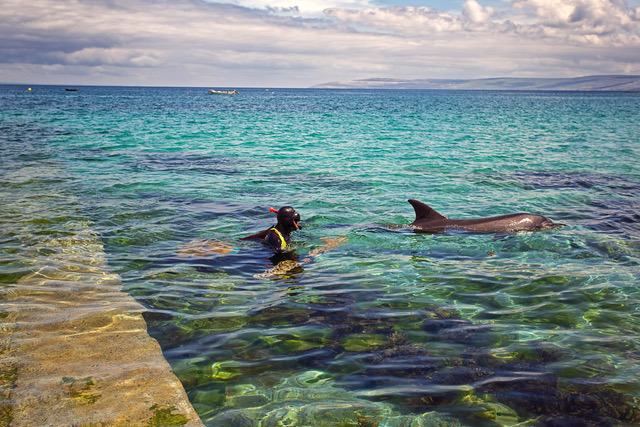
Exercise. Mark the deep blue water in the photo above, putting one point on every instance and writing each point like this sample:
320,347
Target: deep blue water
390,327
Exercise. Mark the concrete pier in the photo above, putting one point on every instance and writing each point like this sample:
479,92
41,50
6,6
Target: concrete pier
74,348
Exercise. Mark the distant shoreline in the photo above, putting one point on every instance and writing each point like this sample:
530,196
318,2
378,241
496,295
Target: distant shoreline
602,83
596,83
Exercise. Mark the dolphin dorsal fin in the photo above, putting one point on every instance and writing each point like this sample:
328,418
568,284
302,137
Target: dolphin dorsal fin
425,212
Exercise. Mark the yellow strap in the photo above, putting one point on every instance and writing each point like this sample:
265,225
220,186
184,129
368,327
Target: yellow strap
284,242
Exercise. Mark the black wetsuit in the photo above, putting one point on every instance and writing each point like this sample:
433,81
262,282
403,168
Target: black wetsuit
276,239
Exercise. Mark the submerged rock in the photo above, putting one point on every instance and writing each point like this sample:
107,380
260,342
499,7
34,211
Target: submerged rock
283,267
204,248
312,398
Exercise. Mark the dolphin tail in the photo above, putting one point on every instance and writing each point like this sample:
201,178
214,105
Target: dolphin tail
425,212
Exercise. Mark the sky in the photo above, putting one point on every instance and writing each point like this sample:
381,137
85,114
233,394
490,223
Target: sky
299,43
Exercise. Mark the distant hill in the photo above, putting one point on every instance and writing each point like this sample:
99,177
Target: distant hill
587,83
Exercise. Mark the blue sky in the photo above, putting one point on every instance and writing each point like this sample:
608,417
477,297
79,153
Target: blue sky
293,43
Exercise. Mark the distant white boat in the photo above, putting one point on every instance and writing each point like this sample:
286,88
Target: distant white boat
222,92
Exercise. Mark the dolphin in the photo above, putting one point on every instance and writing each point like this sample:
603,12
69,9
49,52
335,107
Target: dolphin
430,221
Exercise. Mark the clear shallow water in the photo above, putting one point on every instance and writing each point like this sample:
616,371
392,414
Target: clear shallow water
391,325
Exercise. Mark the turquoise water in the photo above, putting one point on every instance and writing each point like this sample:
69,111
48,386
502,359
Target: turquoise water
390,327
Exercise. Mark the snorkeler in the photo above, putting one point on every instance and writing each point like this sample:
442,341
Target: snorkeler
284,260
279,236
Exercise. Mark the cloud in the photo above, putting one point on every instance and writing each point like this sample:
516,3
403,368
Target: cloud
95,56
578,22
290,43
307,8
475,13
398,20
598,17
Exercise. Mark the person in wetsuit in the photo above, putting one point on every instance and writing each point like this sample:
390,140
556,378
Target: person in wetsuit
279,236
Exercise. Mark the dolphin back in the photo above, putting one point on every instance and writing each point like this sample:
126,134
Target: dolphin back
429,220
425,212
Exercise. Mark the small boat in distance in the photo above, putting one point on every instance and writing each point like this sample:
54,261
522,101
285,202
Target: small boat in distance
222,92
69,89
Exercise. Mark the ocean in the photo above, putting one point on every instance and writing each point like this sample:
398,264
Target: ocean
373,324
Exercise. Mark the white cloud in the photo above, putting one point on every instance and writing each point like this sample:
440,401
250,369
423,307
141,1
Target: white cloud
398,20
583,16
271,43
308,8
112,56
475,13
